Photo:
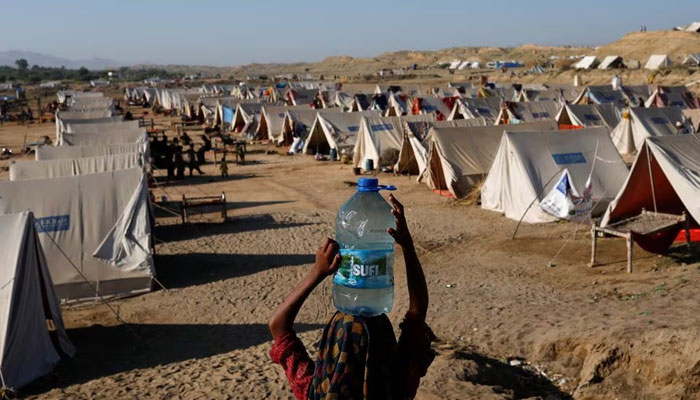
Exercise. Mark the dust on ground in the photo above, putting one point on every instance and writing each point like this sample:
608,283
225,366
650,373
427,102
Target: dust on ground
515,318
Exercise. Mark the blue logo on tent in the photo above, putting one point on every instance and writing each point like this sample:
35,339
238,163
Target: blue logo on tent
591,117
381,127
483,111
540,115
53,224
659,120
353,128
569,158
563,185
281,115
429,108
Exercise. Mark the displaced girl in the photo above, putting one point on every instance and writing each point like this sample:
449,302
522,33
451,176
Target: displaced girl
358,357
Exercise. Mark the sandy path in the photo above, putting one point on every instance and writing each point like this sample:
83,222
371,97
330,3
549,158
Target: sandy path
595,332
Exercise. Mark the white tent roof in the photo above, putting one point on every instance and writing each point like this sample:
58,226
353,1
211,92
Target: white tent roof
379,134
335,130
692,60
27,301
467,108
23,170
414,148
694,27
675,166
608,61
459,157
528,111
639,123
587,62
658,61
589,115
274,120
97,223
527,163
60,152
105,136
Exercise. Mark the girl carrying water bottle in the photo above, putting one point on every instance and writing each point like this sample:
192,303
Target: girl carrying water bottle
358,357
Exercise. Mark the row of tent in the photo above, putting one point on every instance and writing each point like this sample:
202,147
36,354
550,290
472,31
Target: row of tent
655,62
76,224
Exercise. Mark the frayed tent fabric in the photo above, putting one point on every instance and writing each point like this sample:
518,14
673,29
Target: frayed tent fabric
665,177
527,165
93,228
32,335
413,155
639,123
24,170
458,158
381,134
589,115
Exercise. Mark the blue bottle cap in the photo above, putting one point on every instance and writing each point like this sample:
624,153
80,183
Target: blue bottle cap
371,185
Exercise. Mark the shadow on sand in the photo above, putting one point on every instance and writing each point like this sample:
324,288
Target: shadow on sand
518,382
180,232
104,351
183,270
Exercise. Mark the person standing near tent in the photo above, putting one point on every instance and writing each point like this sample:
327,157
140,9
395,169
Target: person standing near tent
179,161
169,163
192,160
223,166
358,357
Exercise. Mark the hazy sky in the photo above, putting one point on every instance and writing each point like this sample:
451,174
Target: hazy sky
238,32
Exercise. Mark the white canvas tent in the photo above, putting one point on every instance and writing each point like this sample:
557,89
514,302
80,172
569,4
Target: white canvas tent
105,136
587,62
639,123
589,115
610,62
95,227
527,163
300,121
272,121
87,126
467,108
61,152
23,170
692,60
413,155
246,117
335,131
459,157
658,61
28,347
529,111
665,177
380,134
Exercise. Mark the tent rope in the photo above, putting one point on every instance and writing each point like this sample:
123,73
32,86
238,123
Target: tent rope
97,293
651,177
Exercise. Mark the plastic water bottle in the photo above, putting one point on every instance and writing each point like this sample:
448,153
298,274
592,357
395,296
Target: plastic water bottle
364,283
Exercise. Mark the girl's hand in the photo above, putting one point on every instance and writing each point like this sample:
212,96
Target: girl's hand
327,260
401,234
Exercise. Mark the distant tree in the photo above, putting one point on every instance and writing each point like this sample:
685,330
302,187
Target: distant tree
84,74
22,64
3,79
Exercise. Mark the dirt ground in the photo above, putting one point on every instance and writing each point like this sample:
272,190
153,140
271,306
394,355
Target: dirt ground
523,318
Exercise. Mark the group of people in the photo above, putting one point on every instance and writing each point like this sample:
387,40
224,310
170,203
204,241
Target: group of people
179,154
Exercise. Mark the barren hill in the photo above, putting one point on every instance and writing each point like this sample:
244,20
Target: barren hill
640,45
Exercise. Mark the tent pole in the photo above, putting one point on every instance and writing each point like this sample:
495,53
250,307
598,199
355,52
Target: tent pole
651,177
